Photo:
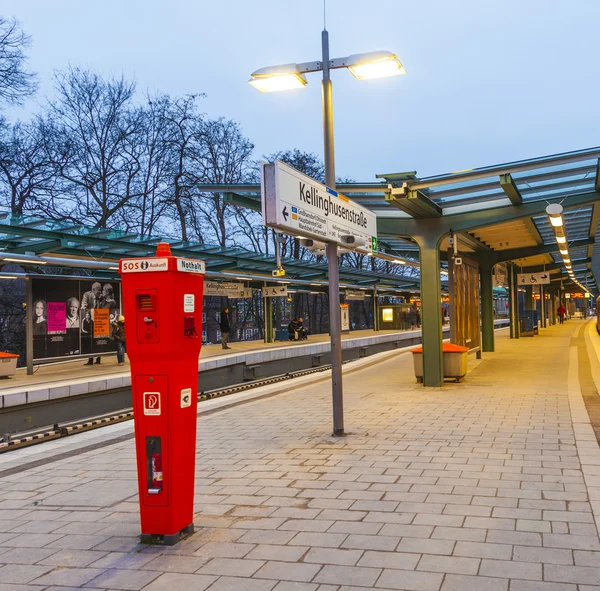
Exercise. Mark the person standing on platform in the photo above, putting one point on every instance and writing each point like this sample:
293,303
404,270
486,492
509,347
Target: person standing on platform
90,300
224,326
292,328
412,317
561,313
118,335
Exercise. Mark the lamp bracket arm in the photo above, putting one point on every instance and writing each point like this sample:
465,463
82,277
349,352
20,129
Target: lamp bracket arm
306,67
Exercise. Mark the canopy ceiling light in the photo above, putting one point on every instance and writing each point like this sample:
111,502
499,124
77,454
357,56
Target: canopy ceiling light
555,215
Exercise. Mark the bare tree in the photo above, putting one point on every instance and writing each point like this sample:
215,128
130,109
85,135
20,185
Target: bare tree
26,172
184,128
93,146
222,155
16,83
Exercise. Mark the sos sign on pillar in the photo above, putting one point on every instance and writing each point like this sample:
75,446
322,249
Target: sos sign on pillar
162,301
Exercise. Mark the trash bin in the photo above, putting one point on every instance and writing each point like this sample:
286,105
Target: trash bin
8,364
455,361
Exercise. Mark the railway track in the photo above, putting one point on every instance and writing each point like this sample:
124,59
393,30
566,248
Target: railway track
60,430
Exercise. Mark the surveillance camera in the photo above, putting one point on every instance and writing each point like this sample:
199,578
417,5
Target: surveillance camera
311,244
353,241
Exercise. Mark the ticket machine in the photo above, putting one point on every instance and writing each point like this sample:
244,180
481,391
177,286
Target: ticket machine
162,302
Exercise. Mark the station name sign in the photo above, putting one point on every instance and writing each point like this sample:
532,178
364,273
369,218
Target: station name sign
296,204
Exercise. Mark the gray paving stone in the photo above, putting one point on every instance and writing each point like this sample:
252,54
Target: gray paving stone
71,558
175,563
573,542
127,580
316,539
474,550
281,553
511,569
466,582
394,560
238,584
69,577
25,555
517,585
378,542
584,575
180,582
422,546
21,574
227,566
410,580
266,537
449,564
223,550
348,575
285,571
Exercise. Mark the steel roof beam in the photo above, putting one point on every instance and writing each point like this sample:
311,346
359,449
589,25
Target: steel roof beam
243,201
510,188
414,203
552,266
530,251
472,242
534,178
461,222
510,167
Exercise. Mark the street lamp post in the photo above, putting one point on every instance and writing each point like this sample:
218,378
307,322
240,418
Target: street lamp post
376,64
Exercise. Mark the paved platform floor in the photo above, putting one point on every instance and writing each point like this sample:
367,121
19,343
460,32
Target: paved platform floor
58,372
491,484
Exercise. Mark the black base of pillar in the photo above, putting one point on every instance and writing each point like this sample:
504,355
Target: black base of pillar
167,539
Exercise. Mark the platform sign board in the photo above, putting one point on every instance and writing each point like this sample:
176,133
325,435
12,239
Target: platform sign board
533,278
350,294
228,290
296,204
500,275
345,317
275,291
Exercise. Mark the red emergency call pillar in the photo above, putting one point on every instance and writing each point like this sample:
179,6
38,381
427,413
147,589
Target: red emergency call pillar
162,301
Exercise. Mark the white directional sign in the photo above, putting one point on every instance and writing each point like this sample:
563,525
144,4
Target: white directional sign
228,290
274,291
501,275
350,294
533,278
296,204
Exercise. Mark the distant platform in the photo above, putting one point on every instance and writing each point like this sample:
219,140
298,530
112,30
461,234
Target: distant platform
93,390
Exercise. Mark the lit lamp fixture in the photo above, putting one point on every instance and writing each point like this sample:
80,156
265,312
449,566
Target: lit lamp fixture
363,66
555,215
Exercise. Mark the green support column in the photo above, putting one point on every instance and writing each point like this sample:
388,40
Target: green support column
529,303
269,322
375,310
516,313
511,302
543,305
431,310
487,307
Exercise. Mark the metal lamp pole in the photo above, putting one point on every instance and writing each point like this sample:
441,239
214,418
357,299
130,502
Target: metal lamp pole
335,332
289,76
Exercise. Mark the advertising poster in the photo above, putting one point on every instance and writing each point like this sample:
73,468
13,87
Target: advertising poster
101,323
57,317
73,317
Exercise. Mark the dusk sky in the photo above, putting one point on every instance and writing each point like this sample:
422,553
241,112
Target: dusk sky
488,81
